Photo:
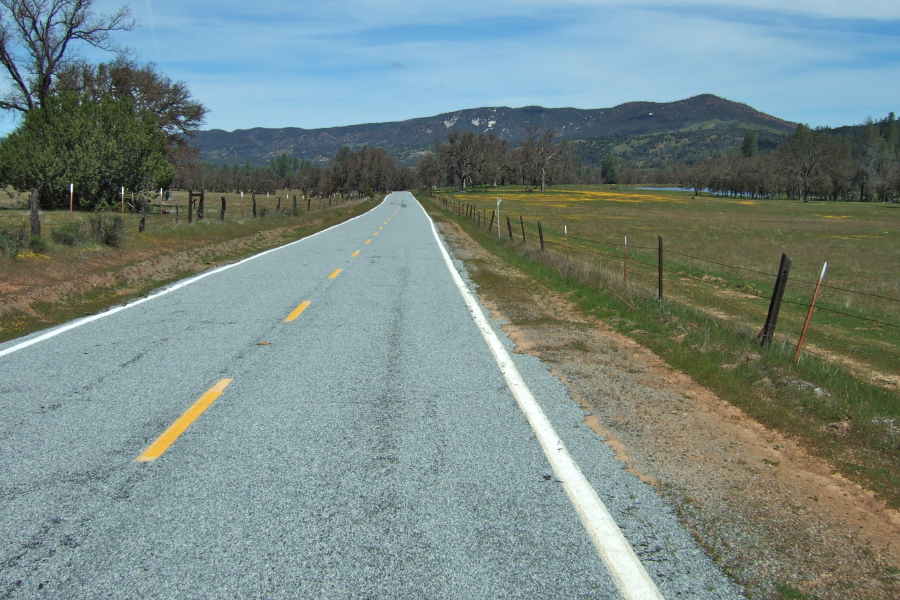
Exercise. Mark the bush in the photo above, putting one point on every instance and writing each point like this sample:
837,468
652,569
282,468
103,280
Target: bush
108,231
12,241
37,244
71,234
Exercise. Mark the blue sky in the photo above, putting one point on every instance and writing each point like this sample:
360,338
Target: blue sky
266,63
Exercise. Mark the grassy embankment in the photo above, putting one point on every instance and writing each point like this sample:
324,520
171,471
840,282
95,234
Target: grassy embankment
846,410
62,282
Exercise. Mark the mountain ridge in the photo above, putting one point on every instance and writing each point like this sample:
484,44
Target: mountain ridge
407,140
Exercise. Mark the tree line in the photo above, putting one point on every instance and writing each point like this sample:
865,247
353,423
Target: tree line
466,159
366,170
851,164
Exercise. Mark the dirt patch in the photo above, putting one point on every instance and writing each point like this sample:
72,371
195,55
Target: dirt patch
765,510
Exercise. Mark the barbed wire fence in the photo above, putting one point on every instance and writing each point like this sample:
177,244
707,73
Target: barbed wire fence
632,260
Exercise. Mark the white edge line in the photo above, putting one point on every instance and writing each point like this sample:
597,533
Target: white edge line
185,282
623,563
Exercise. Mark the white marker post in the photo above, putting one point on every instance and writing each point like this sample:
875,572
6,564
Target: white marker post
71,200
809,314
498,219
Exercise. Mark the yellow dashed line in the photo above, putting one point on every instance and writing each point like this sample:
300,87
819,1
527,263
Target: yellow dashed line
171,434
296,312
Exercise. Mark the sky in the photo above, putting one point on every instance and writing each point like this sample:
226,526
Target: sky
325,63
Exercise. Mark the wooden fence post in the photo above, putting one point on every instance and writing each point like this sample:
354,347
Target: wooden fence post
34,213
522,223
491,226
201,208
253,197
509,228
660,266
541,235
190,207
143,224
768,330
222,218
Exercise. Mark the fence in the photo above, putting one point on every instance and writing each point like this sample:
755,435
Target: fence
180,209
867,339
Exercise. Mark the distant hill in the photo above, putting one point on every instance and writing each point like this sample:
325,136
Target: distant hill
702,119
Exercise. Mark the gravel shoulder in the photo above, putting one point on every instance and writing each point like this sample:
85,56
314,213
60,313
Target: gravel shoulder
770,514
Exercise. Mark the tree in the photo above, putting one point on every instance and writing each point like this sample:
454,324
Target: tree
428,171
750,148
178,114
803,153
97,146
609,169
538,154
461,155
36,38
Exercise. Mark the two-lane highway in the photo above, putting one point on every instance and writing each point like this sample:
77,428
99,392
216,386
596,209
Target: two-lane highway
325,420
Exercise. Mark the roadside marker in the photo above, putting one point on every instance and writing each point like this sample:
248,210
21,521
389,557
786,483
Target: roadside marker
335,274
296,312
171,434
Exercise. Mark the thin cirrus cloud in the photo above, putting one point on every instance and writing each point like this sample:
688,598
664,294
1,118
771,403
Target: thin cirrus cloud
319,64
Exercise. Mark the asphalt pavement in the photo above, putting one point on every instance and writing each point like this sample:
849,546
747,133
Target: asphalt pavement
365,444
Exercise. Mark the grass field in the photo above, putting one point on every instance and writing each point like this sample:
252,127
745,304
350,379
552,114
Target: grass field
722,255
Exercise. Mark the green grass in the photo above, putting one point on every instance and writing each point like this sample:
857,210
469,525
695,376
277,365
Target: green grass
786,592
810,400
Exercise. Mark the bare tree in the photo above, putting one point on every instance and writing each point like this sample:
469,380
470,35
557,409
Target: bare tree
539,153
803,154
461,155
38,38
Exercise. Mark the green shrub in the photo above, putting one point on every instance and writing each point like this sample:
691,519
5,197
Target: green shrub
70,234
37,244
108,231
12,241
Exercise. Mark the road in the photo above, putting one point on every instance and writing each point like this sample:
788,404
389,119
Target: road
366,443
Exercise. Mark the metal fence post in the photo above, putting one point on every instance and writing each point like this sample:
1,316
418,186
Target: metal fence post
768,330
